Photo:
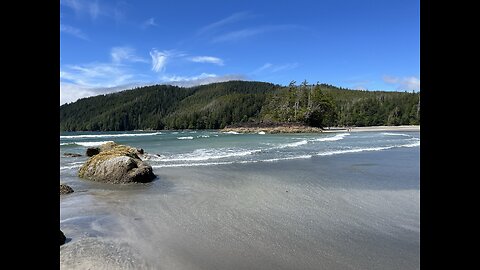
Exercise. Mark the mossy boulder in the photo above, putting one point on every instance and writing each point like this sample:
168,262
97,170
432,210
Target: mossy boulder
116,164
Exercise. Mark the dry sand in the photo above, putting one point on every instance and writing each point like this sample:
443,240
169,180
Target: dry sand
306,129
374,128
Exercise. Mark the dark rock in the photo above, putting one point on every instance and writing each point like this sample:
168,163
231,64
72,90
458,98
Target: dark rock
92,151
117,164
62,238
140,151
72,155
64,189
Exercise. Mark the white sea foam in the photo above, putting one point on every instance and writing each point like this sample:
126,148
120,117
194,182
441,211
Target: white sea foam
90,144
286,158
228,162
395,134
108,135
294,144
203,136
414,144
185,138
76,163
231,132
205,154
191,164
358,150
68,143
331,139
261,132
70,167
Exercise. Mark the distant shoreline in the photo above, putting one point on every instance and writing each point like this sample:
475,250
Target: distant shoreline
307,129
374,128
290,129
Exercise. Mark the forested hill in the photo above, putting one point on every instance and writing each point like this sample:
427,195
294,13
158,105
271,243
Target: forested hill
218,105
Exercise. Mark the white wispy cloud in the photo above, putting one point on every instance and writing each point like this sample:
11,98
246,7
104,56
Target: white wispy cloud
405,83
149,22
70,92
120,54
73,31
79,81
207,59
96,74
225,21
390,79
93,8
248,32
159,60
204,78
262,68
104,75
271,68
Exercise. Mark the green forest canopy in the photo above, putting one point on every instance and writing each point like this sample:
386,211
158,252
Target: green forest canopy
217,105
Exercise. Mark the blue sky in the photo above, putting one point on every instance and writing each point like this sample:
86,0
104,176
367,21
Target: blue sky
107,46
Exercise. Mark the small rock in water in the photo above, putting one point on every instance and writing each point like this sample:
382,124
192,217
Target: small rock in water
64,189
72,155
62,238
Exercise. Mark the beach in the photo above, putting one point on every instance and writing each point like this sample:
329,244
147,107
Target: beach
374,128
223,200
306,129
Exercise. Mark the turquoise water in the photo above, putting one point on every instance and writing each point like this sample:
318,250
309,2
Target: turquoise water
248,201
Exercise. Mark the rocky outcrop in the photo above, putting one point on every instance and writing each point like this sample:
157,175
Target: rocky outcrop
62,238
72,155
117,164
64,189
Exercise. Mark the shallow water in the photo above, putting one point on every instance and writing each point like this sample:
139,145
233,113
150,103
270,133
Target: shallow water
231,201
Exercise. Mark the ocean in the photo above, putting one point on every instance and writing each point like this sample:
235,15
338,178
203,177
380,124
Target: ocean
247,201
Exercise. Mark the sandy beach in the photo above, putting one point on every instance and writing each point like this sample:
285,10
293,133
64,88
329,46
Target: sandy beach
374,128
307,129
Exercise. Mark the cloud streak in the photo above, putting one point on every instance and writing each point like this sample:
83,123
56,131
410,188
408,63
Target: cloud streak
91,8
148,23
121,54
249,32
70,92
271,68
405,83
73,31
207,59
94,10
213,27
204,78
96,74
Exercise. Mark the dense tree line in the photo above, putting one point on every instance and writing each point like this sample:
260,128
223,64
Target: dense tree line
218,105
